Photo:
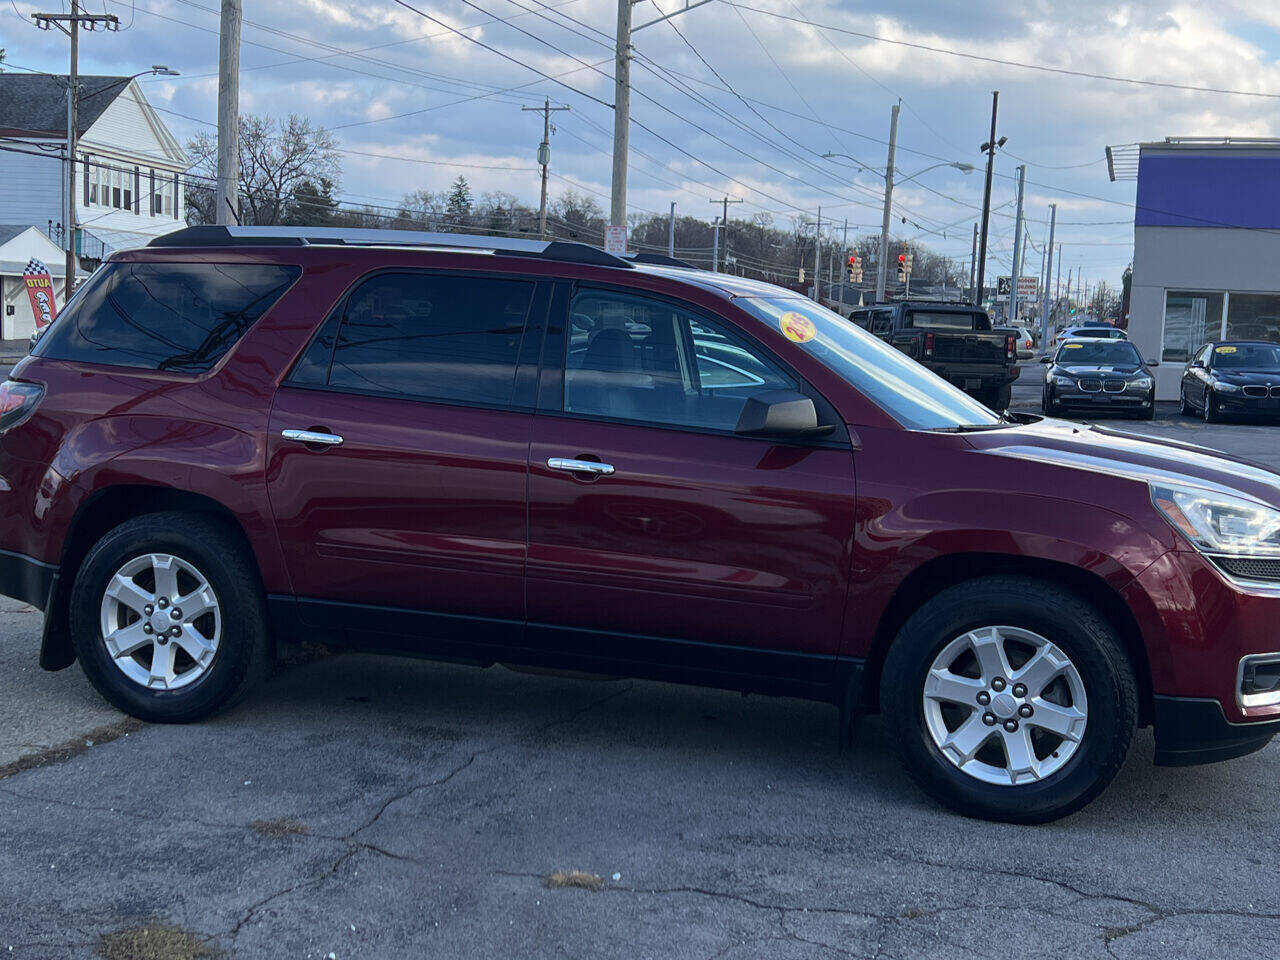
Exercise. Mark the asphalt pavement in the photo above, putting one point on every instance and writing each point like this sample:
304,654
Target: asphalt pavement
364,807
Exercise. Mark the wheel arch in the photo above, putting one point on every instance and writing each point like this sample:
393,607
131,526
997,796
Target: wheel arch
101,511
949,570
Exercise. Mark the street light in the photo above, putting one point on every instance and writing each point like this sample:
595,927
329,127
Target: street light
889,171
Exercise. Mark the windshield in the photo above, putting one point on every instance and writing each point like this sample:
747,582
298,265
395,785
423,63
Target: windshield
1246,356
1099,352
911,394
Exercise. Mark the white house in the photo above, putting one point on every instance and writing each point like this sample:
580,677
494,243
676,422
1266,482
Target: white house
129,166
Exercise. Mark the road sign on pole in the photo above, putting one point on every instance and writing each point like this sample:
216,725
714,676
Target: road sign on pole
615,238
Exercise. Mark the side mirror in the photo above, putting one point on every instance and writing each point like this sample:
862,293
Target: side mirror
1046,359
1153,363
780,413
1198,363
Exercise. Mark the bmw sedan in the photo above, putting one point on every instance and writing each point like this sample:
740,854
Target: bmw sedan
1101,376
1235,377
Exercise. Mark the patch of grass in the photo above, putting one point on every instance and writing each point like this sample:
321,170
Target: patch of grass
154,941
281,827
575,878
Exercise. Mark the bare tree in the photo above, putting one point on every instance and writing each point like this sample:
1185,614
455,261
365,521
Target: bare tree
279,160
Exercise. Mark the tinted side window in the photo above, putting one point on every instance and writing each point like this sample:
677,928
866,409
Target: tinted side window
881,321
432,337
632,358
165,316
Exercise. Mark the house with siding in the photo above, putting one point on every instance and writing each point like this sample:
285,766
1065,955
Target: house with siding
129,166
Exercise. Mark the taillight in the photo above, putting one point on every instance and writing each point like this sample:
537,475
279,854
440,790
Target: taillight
928,344
17,402
1011,347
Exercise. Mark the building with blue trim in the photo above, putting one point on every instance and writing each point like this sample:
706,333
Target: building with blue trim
1206,248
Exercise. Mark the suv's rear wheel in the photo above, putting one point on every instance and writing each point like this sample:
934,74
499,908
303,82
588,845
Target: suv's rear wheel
168,618
1010,699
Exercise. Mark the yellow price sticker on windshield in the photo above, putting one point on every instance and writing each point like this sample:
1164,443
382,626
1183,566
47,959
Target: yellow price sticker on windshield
796,327
1224,349
1074,346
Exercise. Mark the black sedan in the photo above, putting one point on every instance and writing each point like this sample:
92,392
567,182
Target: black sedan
1230,377
1104,376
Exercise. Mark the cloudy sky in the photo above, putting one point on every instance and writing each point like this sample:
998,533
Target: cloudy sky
738,97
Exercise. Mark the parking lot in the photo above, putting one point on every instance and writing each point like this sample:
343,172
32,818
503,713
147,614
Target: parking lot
365,807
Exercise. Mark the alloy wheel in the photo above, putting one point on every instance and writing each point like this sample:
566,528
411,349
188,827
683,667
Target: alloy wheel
1005,705
161,621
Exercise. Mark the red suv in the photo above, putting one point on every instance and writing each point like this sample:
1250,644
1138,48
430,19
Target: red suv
538,453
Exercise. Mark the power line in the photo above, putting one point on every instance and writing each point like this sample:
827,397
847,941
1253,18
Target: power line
1006,63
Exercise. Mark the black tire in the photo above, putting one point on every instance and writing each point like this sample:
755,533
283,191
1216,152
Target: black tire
1185,409
1150,412
1049,406
1069,622
227,565
1003,397
1211,412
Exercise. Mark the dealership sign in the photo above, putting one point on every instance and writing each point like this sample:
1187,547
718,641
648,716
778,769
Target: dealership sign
40,290
1027,286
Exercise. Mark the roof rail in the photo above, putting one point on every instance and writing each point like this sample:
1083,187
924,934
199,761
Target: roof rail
659,260
566,251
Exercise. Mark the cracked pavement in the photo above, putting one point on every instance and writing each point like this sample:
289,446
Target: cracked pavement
438,797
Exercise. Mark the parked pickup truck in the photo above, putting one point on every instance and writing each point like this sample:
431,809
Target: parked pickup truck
954,340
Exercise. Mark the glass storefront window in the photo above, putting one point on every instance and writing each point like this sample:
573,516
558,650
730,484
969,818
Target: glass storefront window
1190,319
1254,316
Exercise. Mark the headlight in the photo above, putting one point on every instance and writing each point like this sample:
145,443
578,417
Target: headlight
1142,383
1223,387
1219,522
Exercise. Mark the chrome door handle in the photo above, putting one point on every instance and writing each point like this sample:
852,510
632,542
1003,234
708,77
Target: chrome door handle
311,436
580,466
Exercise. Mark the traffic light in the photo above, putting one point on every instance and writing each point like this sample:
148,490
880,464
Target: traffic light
902,268
855,269
802,275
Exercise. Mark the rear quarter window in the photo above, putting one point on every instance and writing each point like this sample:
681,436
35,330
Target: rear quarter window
948,320
164,316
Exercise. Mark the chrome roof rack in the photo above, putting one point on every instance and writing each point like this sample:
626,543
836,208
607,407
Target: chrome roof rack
566,251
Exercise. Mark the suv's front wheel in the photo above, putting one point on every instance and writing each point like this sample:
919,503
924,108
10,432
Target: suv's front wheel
168,617
1010,699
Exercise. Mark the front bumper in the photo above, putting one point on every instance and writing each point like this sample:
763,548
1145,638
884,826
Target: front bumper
1069,395
1237,403
1191,730
1197,625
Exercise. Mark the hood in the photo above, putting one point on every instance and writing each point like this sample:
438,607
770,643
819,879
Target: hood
1248,377
1092,369
1099,450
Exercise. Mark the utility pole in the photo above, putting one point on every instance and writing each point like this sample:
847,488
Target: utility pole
622,101
817,247
715,245
1017,250
845,254
69,23
882,266
973,262
990,147
227,195
671,231
1048,275
1057,287
724,220
544,157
